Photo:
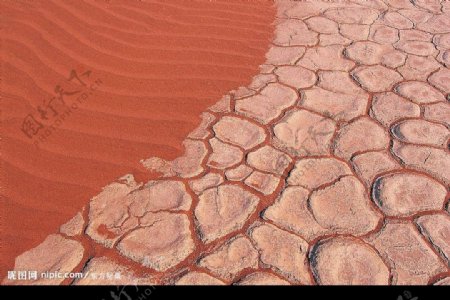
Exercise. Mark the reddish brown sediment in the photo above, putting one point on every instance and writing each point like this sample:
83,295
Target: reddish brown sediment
329,168
161,63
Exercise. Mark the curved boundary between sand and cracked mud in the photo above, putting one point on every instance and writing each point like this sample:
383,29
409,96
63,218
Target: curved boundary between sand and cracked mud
329,168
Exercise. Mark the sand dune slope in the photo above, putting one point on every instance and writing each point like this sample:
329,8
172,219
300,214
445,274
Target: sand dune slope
149,69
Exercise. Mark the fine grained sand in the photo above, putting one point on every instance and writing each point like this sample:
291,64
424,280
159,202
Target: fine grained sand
160,63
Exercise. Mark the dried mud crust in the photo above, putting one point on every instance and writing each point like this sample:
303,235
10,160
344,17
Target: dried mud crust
331,167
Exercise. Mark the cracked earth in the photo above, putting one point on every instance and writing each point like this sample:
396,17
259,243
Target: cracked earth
329,168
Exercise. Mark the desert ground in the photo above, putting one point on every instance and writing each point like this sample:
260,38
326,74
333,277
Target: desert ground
227,142
160,65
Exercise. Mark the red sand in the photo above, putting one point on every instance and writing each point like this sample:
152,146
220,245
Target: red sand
160,63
